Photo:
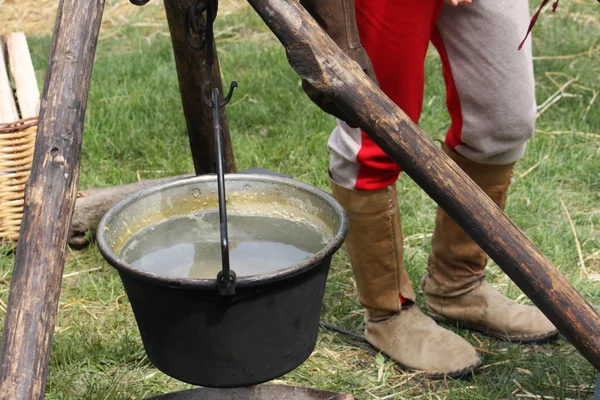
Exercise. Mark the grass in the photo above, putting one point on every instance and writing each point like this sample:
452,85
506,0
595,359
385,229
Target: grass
134,124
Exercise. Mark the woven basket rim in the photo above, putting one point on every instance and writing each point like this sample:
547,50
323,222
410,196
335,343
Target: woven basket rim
17,141
18,125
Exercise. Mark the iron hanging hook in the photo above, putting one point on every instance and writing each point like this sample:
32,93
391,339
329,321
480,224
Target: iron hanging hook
211,15
195,23
226,278
227,98
223,102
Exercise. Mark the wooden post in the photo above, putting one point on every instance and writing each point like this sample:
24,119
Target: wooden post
49,200
316,58
190,71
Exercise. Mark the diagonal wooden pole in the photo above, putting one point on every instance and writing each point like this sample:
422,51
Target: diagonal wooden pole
316,58
49,200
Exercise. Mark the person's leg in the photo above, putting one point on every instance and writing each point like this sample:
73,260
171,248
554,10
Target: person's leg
491,100
395,35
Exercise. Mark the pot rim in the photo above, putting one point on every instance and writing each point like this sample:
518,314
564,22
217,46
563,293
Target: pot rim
307,264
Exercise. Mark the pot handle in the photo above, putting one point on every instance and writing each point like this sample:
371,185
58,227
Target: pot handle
226,277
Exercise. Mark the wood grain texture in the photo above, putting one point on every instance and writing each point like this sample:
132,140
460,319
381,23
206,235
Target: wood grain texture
49,199
8,107
190,65
21,68
316,58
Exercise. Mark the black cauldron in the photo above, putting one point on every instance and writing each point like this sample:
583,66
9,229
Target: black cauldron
192,332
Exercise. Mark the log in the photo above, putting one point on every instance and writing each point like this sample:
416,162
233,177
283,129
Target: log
8,107
21,68
190,65
92,204
316,58
49,200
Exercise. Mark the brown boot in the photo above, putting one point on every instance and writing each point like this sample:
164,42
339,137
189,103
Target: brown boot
403,332
454,283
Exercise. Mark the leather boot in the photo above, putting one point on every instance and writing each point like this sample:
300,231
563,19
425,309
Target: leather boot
454,284
402,332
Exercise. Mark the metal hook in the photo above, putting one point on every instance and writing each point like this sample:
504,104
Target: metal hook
211,15
227,98
223,102
195,22
205,98
226,278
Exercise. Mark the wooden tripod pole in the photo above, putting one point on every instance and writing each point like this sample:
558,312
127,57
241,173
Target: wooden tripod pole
316,58
49,200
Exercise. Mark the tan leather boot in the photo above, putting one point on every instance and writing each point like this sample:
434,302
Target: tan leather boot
454,283
404,333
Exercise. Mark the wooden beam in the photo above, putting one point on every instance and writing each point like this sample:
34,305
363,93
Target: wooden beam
316,58
49,199
190,71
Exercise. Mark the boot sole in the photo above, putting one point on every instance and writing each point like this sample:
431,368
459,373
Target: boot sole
462,373
525,339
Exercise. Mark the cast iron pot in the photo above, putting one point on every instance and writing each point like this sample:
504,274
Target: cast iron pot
190,331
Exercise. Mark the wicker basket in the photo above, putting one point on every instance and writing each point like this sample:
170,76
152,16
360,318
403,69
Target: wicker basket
17,142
